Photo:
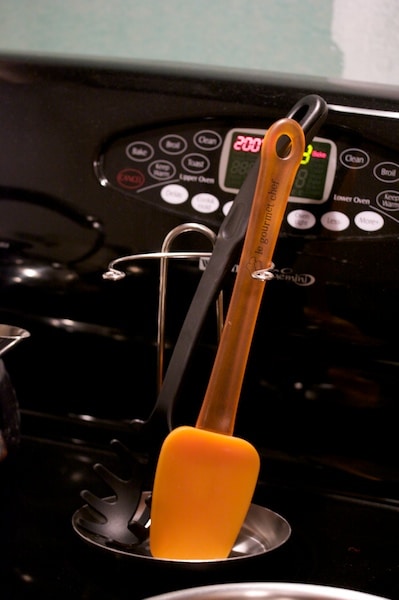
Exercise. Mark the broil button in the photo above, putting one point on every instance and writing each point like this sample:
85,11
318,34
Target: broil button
387,171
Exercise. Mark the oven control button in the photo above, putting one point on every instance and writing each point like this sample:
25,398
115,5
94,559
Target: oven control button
195,163
174,194
207,139
162,170
173,144
301,219
354,158
139,151
335,221
226,207
368,220
388,200
387,172
130,179
205,203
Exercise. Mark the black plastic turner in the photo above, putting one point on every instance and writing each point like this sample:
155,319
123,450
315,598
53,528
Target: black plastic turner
310,112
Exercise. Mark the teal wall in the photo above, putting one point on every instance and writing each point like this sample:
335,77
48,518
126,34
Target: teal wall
350,39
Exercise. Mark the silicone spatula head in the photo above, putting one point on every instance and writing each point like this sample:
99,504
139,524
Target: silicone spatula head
204,486
205,477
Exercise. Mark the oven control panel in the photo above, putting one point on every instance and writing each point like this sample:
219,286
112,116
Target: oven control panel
195,169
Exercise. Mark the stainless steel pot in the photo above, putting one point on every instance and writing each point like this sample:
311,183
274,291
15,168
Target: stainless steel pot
265,591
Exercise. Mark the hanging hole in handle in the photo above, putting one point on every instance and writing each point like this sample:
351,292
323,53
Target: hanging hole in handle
283,146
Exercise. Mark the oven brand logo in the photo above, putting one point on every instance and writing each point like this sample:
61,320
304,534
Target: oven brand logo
287,274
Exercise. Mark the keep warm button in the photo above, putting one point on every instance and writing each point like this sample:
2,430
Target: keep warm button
388,200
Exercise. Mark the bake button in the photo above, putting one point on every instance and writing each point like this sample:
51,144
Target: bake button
139,151
335,221
207,139
195,163
162,169
387,171
205,203
301,219
173,144
174,194
369,221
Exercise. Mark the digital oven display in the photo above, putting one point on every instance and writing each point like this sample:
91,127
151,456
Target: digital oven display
314,178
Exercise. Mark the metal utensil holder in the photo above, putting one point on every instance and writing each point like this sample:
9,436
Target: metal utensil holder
113,273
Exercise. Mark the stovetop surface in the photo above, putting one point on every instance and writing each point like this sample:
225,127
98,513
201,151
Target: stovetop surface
343,537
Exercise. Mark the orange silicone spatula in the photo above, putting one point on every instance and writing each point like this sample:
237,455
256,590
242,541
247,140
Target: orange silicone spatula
205,477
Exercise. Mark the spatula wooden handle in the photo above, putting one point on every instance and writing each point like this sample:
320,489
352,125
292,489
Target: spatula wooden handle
274,183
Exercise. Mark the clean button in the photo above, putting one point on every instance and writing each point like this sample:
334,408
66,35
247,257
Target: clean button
207,139
354,158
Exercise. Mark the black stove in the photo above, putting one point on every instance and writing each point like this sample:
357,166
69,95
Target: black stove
103,160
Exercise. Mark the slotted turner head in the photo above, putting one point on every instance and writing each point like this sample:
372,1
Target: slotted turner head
121,519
